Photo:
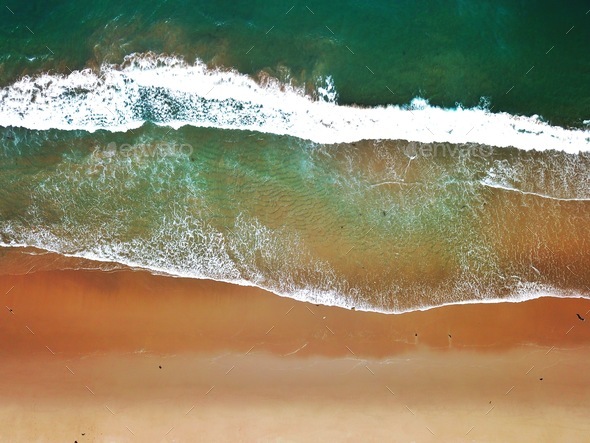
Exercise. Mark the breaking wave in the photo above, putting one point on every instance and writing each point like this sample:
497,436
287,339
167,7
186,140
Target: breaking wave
169,91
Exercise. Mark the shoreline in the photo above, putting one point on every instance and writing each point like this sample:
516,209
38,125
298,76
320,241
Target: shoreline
14,251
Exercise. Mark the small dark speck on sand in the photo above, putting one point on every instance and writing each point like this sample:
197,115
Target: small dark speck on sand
580,317
541,379
450,336
160,367
416,334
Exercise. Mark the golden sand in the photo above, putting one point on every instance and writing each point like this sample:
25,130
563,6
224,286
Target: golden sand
127,356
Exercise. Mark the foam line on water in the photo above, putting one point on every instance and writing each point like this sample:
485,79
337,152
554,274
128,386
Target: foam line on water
169,91
490,184
308,295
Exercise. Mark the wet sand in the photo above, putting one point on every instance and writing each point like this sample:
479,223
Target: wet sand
127,356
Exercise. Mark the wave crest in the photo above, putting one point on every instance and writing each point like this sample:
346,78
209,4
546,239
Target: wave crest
169,91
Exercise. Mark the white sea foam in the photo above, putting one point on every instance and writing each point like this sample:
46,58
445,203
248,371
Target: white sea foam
168,91
488,182
525,292
309,295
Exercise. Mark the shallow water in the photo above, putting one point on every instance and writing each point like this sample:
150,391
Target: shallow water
378,225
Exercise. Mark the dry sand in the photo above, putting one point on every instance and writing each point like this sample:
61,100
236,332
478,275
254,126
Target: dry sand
127,356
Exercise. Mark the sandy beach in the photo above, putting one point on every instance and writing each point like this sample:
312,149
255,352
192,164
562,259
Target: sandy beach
128,356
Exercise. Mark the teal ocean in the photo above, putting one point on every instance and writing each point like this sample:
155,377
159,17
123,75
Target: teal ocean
387,156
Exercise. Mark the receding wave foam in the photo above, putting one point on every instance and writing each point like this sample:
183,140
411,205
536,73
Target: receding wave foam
169,91
313,295
310,294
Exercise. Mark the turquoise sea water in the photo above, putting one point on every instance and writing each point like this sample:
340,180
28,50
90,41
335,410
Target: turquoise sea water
446,51
383,155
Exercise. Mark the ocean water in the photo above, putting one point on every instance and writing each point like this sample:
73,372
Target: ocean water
387,156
